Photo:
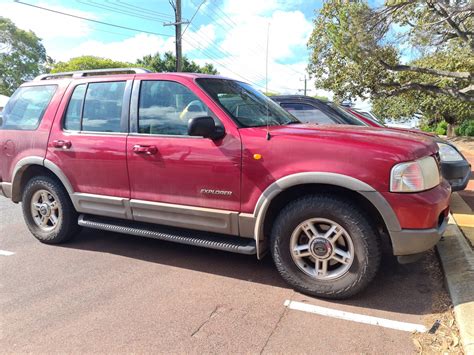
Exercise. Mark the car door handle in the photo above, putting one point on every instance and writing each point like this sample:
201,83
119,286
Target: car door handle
145,149
59,143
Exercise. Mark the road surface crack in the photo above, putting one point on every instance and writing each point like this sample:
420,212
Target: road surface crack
212,315
285,310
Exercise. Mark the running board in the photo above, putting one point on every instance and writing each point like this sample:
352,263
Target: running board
183,236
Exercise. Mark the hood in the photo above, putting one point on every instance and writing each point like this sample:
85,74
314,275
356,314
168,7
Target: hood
405,144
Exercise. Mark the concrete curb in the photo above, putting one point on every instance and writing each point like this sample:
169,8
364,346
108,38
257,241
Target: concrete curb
457,259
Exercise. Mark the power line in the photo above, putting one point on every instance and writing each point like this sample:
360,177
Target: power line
216,61
134,7
214,48
231,24
122,11
218,52
91,20
192,18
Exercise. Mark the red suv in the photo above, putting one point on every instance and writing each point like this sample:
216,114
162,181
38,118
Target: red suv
209,161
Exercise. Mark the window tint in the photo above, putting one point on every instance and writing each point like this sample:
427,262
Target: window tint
103,107
26,107
166,107
307,113
73,115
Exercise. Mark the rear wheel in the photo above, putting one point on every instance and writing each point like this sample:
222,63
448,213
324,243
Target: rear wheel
48,211
324,246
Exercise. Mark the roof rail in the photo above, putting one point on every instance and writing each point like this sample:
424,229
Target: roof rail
93,72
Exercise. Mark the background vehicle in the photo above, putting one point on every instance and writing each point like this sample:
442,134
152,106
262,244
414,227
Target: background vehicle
208,161
454,166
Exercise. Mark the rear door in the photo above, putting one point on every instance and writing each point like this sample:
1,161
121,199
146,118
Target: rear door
88,144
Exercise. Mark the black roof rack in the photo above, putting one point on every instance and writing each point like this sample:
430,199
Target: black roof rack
93,72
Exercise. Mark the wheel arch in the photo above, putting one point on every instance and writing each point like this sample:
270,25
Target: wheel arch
288,188
28,167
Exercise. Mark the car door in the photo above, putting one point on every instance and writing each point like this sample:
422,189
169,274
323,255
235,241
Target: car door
176,179
88,145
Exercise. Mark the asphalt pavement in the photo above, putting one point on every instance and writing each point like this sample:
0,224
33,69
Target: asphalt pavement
112,293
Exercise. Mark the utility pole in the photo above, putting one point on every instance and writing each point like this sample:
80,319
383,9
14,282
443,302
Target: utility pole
177,17
305,85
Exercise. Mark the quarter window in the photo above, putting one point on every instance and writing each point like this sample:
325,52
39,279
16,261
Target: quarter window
96,107
165,107
26,107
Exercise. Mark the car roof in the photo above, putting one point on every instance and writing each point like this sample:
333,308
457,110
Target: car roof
296,98
114,73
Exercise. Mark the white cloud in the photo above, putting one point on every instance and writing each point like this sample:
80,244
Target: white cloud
48,25
238,49
257,7
128,50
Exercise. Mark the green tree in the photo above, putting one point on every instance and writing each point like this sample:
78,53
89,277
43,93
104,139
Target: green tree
88,62
22,56
357,51
167,63
434,108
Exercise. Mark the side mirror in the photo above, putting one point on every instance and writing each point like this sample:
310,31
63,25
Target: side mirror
205,127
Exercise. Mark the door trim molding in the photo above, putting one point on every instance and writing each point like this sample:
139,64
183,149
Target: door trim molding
191,217
199,218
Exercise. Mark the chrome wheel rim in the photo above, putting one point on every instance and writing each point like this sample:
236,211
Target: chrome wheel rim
322,249
45,210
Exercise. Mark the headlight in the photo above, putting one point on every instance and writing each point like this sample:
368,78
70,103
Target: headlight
448,153
415,176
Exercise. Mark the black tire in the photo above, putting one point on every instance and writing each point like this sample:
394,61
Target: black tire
365,240
66,226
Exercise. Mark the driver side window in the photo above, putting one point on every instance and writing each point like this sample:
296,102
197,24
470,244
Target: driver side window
165,107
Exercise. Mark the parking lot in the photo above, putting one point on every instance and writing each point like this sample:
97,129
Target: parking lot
108,292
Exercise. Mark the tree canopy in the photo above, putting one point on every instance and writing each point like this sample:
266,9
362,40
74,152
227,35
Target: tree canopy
154,62
22,56
167,63
87,62
362,52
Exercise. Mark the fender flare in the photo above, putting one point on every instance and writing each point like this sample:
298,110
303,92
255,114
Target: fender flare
24,163
348,182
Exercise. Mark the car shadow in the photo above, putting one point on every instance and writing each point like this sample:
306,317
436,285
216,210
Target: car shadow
396,288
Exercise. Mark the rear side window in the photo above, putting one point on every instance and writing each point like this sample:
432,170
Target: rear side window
96,107
74,109
307,113
26,107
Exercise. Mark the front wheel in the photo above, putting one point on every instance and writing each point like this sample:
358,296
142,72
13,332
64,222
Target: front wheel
323,246
48,211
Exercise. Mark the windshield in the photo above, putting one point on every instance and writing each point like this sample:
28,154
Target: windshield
371,117
346,116
247,106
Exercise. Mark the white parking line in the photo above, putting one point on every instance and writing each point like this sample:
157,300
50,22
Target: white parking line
6,253
360,318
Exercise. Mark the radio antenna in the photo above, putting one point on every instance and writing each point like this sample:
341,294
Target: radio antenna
266,80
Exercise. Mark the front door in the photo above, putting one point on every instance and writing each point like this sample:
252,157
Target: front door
176,179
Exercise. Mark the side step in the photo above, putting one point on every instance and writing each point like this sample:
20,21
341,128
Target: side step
177,235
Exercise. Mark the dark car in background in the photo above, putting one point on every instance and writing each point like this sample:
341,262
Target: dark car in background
454,166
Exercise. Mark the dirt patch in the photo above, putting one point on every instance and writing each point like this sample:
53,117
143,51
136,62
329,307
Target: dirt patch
443,337
465,143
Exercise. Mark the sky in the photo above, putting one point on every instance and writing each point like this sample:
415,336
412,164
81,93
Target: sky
230,34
